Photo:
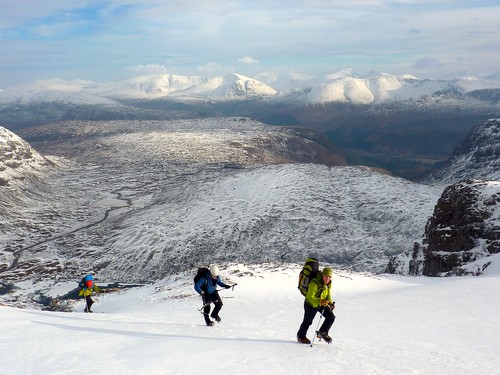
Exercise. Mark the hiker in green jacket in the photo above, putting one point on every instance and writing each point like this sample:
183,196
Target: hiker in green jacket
87,286
318,299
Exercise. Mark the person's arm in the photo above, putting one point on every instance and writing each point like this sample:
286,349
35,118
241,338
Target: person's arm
221,283
330,299
198,285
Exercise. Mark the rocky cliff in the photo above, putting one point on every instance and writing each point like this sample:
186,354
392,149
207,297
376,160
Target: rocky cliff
462,232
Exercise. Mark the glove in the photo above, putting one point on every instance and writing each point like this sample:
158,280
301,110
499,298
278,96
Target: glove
227,286
323,302
332,305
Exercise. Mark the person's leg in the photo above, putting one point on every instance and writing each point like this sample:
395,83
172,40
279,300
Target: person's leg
206,310
88,303
329,319
218,306
309,314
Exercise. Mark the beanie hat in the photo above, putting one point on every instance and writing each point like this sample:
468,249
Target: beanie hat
214,270
327,271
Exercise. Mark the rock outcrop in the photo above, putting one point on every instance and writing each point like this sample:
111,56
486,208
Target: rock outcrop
463,231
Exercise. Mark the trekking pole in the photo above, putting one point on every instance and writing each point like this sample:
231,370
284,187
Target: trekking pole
317,327
231,286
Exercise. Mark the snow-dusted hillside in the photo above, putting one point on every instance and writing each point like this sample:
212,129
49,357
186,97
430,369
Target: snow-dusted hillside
137,205
477,156
18,160
25,107
384,325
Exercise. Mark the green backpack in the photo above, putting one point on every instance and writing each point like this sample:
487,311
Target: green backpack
308,272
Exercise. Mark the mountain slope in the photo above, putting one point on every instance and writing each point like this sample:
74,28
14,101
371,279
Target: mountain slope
230,87
477,156
18,160
136,204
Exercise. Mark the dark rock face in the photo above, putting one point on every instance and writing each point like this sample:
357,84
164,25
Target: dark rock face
464,229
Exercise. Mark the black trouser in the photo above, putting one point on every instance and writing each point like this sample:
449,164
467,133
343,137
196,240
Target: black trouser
89,302
216,300
310,313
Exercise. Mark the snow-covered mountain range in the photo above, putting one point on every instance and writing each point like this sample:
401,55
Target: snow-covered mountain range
401,123
345,86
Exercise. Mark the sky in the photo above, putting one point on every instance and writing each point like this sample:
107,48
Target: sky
384,324
107,40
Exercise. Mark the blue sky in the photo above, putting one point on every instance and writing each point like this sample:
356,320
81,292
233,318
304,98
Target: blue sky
109,40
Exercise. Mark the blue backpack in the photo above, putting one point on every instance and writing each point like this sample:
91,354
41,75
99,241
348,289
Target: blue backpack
82,283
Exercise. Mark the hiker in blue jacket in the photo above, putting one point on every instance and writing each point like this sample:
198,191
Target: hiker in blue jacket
206,287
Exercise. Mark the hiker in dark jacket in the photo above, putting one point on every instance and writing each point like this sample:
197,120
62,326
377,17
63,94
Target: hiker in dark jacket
206,286
318,299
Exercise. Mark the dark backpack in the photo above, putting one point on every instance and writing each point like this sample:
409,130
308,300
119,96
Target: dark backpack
201,272
308,272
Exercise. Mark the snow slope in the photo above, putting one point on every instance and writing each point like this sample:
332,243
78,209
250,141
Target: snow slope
385,325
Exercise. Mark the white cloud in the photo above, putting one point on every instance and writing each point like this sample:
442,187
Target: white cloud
210,67
149,68
427,62
248,60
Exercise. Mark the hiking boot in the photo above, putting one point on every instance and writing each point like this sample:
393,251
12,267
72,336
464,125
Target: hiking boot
324,336
216,317
210,323
303,340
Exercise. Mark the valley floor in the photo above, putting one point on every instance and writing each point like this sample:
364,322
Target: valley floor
385,325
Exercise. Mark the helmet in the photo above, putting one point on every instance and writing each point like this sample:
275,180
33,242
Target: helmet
327,271
214,270
88,283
